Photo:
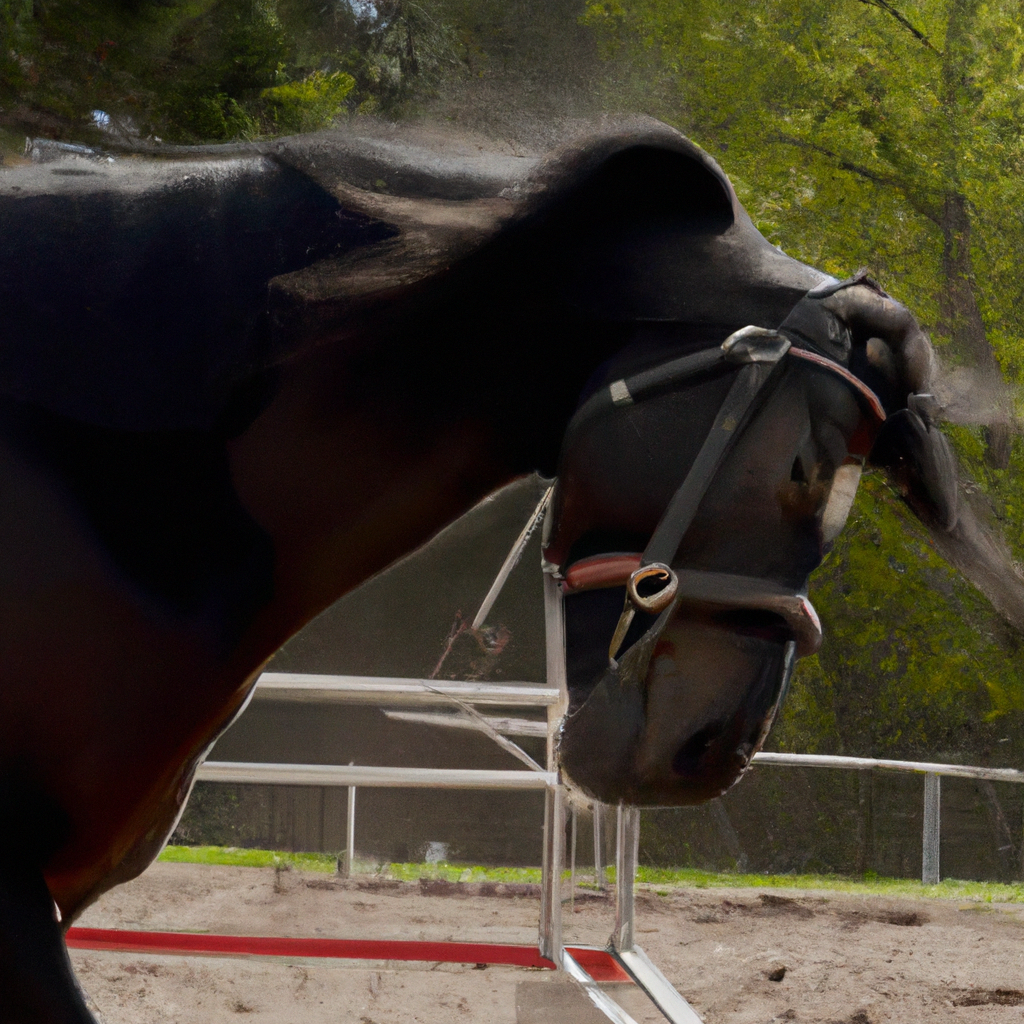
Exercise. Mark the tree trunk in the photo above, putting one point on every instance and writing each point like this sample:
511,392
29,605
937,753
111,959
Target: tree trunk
958,302
979,551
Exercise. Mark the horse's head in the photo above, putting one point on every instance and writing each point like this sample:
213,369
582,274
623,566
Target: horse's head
699,486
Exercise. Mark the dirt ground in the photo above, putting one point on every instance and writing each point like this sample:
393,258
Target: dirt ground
740,956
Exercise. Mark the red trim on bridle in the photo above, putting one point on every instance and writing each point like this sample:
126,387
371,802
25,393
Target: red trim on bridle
598,571
873,401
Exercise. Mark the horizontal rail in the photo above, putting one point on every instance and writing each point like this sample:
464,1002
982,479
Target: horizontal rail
370,775
381,690
191,943
504,726
962,771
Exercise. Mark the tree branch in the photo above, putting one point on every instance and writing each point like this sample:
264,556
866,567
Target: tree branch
884,5
930,210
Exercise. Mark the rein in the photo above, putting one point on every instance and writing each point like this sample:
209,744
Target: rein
652,585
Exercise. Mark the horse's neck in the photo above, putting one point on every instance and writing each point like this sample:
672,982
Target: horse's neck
346,478
368,451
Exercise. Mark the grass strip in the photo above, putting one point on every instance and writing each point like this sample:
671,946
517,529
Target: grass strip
660,880
870,884
234,856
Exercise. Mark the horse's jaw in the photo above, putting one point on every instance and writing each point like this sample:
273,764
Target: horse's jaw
685,731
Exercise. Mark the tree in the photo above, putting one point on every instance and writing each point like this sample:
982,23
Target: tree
887,120
180,70
215,70
878,133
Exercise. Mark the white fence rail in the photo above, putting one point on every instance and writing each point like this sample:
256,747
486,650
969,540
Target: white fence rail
384,692
962,771
931,831
391,692
255,773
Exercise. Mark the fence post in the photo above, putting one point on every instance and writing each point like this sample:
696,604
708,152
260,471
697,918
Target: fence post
627,846
554,801
572,860
350,833
600,879
865,821
551,875
930,839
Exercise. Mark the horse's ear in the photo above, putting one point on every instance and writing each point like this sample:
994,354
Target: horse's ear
644,226
667,178
921,465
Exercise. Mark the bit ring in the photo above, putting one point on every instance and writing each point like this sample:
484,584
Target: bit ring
662,598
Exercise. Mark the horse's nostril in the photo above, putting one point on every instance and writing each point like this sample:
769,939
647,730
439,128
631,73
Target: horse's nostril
688,756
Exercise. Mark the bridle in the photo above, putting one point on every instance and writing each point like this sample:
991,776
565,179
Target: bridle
653,586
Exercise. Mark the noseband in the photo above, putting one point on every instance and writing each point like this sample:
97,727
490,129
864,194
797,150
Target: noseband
653,586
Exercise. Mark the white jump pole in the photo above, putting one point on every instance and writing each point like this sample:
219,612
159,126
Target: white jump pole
350,832
554,801
627,848
599,873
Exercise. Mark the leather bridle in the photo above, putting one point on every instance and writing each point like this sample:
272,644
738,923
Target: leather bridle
653,586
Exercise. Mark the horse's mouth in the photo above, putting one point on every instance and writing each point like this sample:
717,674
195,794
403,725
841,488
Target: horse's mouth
686,730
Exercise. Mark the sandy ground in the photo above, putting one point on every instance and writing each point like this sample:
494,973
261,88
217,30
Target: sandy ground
740,956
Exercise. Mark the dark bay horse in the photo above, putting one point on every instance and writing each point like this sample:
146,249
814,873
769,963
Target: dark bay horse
236,382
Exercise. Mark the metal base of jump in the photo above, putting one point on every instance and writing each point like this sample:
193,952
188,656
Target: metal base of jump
634,964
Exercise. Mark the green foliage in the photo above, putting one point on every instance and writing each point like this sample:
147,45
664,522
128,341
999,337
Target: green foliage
216,118
15,31
211,70
310,104
195,70
915,663
848,130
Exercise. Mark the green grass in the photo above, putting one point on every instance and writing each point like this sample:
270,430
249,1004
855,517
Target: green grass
235,857
661,881
867,885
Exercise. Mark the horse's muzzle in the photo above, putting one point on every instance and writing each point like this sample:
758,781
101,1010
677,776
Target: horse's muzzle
681,727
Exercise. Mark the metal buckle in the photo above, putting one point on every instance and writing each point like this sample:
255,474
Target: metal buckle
662,598
650,603
755,345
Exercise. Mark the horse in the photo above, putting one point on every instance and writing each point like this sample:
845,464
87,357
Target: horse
237,381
